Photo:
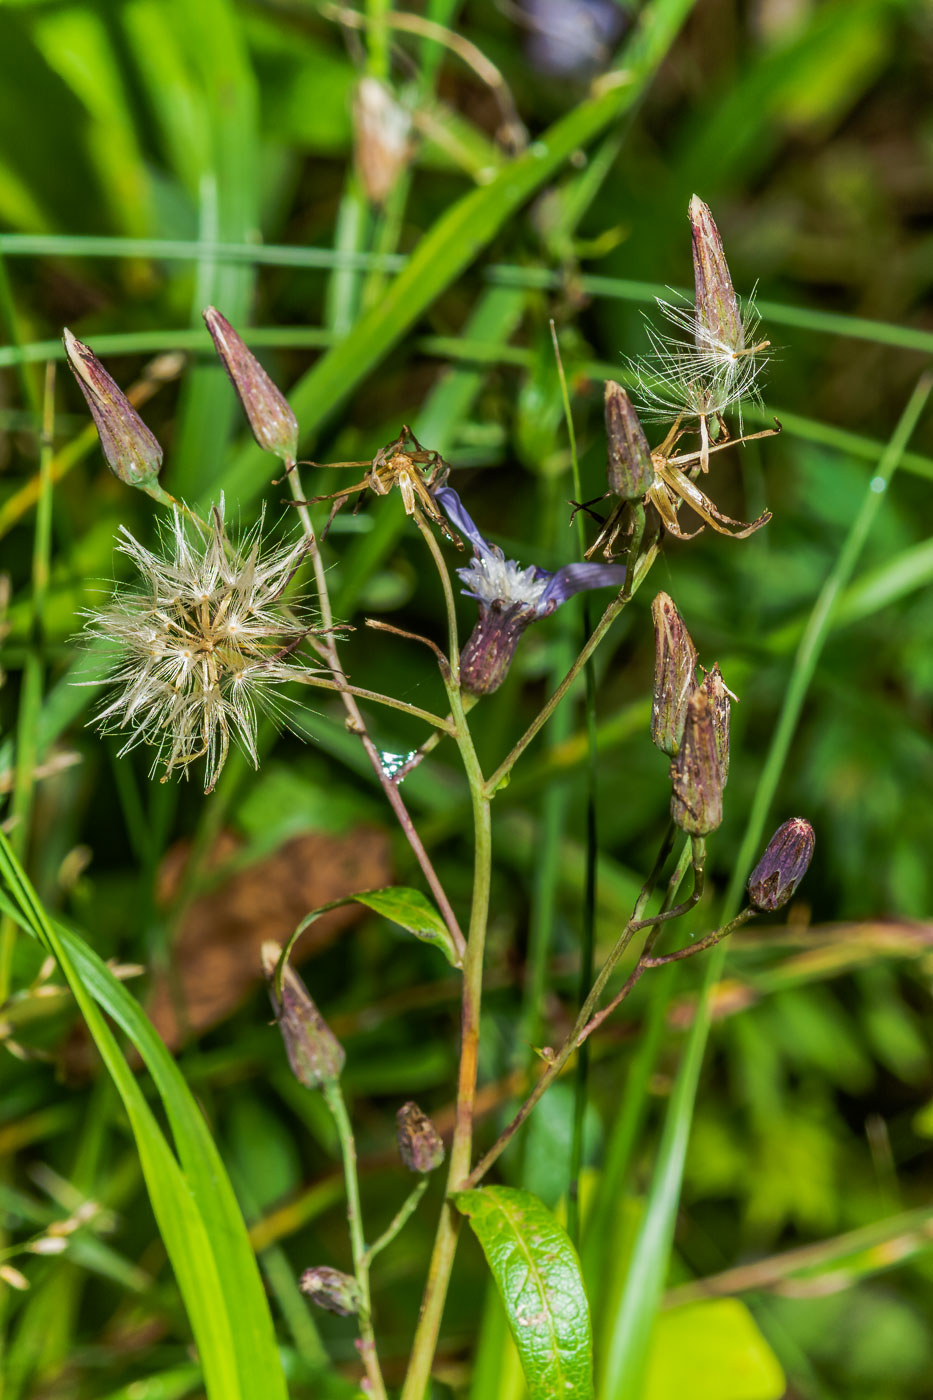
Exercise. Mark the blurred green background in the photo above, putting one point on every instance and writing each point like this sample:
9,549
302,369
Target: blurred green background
807,127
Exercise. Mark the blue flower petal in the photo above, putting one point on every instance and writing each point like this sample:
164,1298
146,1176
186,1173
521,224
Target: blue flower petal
576,578
453,507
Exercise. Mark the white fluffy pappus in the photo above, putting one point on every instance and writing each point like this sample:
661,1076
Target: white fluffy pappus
201,644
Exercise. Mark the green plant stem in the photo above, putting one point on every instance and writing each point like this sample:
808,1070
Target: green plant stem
645,1283
333,1096
582,1026
355,720
445,1242
435,721
399,1219
701,944
453,642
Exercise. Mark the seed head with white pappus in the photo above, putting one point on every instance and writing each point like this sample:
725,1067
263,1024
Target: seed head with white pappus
201,644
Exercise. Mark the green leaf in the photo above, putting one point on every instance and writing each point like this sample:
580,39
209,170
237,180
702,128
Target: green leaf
415,913
712,1351
538,1275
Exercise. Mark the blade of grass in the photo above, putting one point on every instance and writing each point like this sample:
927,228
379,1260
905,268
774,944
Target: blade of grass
194,1203
631,1336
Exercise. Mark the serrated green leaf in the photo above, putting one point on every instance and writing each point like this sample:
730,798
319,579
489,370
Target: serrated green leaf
538,1275
409,908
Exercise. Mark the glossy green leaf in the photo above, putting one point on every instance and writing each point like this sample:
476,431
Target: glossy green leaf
415,913
712,1351
538,1275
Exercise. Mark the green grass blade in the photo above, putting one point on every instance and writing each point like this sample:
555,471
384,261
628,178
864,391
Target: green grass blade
194,1204
458,237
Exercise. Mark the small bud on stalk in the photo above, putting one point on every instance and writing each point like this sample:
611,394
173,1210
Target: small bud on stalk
329,1288
718,314
314,1052
674,675
271,419
419,1143
696,775
631,470
131,450
783,865
720,698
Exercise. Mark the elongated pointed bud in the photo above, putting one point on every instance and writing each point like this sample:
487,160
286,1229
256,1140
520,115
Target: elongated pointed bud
419,1143
314,1052
131,450
718,314
330,1289
382,131
696,777
274,425
631,471
720,698
783,865
675,663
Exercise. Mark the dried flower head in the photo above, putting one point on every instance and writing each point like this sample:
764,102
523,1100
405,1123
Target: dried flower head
720,698
132,452
696,775
332,1290
675,664
783,865
201,644
382,137
271,419
419,1143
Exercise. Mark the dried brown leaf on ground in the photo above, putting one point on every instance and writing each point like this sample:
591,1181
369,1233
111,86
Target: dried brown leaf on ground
215,963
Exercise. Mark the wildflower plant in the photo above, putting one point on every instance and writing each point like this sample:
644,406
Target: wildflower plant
216,626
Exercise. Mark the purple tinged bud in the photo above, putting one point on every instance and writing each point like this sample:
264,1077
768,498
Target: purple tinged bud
631,470
720,698
419,1143
329,1288
314,1052
271,419
783,865
674,675
488,651
131,450
718,314
696,777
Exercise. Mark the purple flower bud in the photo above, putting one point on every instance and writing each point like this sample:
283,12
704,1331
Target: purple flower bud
720,698
696,777
419,1143
488,651
314,1052
675,665
783,865
330,1289
719,323
631,470
131,450
274,425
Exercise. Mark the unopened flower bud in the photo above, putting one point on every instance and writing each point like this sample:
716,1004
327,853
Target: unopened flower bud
488,651
314,1052
675,663
382,130
271,419
13,1277
720,698
330,1289
696,777
718,314
782,866
419,1143
131,450
631,471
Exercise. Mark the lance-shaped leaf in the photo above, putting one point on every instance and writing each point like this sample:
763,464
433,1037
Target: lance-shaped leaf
538,1275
